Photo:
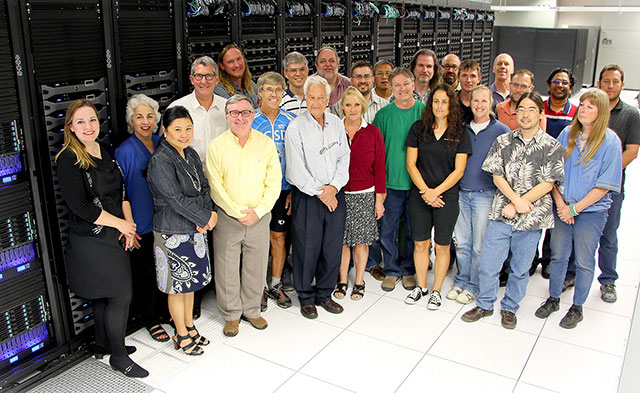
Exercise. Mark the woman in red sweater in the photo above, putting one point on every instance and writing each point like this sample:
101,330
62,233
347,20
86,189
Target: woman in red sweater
364,193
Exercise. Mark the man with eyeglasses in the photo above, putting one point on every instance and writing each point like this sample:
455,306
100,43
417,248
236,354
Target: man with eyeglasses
296,70
394,122
273,121
327,64
525,164
451,67
205,107
244,174
521,83
503,67
318,169
362,79
625,121
559,112
381,71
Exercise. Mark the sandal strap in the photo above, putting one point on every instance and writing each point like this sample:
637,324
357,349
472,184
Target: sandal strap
189,348
198,339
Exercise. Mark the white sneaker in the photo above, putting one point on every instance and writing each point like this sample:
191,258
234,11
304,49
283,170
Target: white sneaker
454,293
415,295
435,301
465,297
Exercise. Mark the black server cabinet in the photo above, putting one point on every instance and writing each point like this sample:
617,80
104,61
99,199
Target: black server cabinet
547,49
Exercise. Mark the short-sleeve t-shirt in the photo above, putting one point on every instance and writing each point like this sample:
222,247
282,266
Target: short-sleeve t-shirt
436,158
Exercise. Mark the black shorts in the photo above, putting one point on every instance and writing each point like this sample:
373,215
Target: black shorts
280,221
425,217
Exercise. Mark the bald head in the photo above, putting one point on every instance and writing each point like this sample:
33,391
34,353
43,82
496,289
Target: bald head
451,65
503,67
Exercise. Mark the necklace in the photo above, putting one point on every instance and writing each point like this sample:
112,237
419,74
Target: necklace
195,180
581,137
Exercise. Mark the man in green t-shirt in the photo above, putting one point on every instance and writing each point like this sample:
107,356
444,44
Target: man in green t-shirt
394,121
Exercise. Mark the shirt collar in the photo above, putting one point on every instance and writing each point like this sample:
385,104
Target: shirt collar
518,134
235,138
193,102
565,111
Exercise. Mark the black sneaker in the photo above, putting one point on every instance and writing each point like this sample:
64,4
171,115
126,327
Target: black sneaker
287,281
551,305
572,318
415,295
608,293
263,301
277,293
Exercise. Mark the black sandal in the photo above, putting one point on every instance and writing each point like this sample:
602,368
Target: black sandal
357,293
191,349
341,290
198,339
157,332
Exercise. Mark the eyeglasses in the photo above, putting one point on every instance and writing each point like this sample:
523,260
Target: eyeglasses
383,73
450,66
520,86
556,82
208,77
236,114
296,70
270,91
530,110
365,76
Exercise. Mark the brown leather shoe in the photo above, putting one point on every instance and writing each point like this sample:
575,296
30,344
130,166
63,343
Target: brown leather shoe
509,320
377,273
258,323
331,306
389,283
309,311
475,314
231,328
408,282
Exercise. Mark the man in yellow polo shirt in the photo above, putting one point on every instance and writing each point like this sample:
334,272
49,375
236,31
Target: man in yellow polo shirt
245,178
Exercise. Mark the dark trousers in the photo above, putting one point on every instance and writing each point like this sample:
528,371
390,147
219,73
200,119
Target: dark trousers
317,245
148,302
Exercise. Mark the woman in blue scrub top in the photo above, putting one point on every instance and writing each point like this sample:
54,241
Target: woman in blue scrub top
592,170
133,156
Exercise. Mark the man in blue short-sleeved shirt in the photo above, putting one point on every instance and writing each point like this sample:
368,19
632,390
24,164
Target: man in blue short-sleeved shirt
273,121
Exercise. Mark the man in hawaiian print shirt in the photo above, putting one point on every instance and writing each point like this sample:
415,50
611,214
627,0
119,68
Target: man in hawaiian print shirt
525,164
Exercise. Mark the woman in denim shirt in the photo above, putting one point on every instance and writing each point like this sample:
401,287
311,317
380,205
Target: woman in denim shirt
183,212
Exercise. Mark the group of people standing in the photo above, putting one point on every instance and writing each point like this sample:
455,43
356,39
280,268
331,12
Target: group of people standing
342,169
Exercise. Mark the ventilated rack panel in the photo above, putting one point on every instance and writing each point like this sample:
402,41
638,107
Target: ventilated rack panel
386,38
427,29
361,44
153,21
260,44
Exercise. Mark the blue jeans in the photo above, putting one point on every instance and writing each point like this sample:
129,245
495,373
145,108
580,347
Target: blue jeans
470,228
396,204
608,252
499,239
581,237
375,254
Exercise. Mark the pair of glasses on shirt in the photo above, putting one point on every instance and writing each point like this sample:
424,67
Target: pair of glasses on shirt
556,82
208,77
236,114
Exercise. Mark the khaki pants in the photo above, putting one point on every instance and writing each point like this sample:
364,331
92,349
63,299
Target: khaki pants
238,291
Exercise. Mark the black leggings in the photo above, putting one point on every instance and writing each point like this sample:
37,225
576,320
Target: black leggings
110,316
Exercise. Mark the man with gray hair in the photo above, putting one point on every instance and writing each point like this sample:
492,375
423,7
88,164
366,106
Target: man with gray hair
327,63
206,109
296,70
244,175
317,168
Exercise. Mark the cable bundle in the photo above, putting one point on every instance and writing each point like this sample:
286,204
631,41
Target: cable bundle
429,14
413,13
461,14
480,16
298,8
209,7
363,9
444,14
489,17
333,9
258,7
387,11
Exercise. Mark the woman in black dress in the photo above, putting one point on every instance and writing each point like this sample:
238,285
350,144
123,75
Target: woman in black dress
101,228
183,213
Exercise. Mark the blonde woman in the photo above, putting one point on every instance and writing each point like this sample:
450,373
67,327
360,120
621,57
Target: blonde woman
592,169
364,193
101,230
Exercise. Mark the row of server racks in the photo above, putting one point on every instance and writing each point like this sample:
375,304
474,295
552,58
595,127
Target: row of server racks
55,51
